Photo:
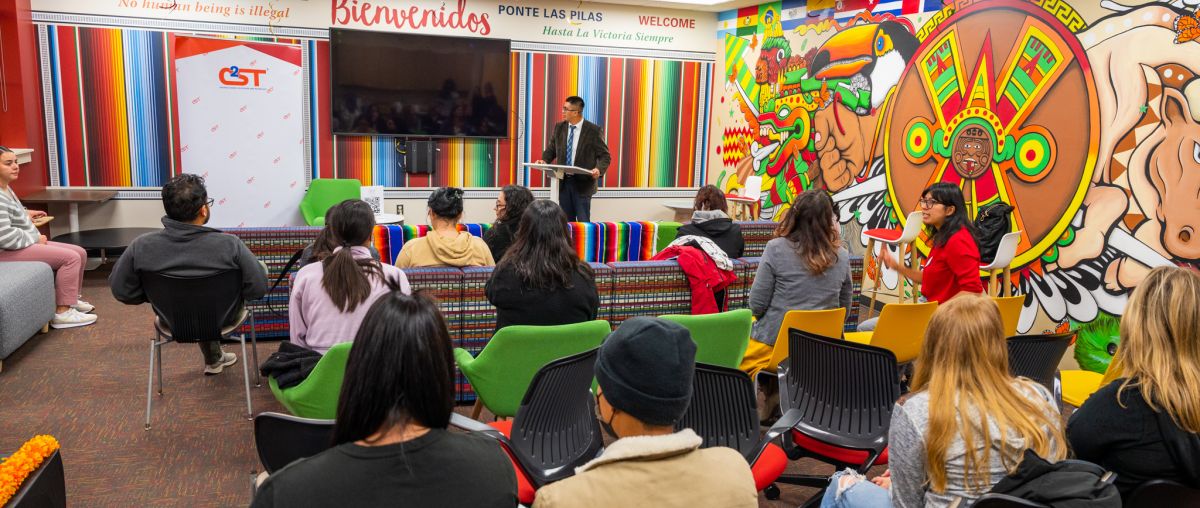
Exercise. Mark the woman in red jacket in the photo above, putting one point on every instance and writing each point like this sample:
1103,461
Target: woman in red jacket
953,263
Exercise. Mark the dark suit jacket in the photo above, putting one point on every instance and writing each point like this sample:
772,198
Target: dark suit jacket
591,152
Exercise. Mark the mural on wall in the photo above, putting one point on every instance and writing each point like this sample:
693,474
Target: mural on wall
1087,124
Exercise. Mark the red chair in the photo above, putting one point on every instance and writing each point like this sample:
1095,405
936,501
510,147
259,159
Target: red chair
723,413
837,398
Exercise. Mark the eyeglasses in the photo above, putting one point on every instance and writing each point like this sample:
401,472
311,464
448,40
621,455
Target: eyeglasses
928,203
210,202
499,205
571,110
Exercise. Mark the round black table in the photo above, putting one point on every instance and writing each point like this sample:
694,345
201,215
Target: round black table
105,240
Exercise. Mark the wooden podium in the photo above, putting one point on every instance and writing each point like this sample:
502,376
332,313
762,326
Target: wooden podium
556,172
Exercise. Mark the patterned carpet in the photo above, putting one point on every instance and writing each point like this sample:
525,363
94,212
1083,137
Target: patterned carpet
87,387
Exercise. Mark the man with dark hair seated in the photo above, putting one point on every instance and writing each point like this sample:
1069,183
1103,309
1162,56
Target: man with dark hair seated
187,248
645,372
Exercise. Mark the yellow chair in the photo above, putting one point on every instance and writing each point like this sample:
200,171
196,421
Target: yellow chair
1010,312
1078,385
901,329
826,323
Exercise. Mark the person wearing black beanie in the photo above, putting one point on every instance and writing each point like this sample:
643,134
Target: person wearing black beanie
645,370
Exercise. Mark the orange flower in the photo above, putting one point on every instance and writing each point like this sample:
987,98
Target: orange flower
17,467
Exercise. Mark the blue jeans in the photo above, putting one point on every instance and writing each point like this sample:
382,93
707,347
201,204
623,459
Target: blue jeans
862,494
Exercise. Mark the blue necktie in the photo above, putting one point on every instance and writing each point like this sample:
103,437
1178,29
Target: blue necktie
570,141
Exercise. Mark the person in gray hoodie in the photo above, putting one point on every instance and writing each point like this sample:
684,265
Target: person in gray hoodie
187,248
710,219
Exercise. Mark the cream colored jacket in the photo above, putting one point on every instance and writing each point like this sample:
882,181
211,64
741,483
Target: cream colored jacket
659,471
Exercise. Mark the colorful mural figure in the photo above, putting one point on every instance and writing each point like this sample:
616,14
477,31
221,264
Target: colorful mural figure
1088,125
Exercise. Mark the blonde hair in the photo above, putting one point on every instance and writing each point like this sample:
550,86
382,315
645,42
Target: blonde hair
964,367
1160,344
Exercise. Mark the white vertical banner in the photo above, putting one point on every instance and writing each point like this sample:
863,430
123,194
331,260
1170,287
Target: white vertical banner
241,126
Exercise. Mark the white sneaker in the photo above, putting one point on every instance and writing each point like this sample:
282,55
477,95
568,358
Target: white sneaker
83,306
72,318
226,360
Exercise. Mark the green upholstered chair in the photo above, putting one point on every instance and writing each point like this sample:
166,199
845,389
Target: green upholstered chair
721,339
323,193
317,395
503,370
666,234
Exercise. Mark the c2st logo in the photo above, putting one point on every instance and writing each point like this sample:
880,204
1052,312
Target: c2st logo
236,76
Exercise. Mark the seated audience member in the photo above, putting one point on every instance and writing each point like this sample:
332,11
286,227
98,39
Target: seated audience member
936,452
187,248
509,207
330,297
444,244
710,219
322,247
541,281
21,241
391,443
805,267
644,371
1146,426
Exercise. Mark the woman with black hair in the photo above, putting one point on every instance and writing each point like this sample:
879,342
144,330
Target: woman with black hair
391,442
445,245
540,281
330,297
510,205
953,263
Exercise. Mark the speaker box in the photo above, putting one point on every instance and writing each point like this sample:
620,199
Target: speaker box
421,157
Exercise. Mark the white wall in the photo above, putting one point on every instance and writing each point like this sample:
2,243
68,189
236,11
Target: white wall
147,212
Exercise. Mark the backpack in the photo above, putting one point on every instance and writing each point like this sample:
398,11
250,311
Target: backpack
991,224
1063,484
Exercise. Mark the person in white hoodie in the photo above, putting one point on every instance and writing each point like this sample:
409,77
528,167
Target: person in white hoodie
445,245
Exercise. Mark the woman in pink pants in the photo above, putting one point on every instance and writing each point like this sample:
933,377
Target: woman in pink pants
20,241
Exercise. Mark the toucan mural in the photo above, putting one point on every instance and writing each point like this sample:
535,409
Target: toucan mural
1084,116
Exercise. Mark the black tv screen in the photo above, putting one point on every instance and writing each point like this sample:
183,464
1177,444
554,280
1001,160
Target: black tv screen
407,85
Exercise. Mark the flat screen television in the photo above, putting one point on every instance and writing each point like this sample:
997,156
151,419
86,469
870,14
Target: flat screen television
408,85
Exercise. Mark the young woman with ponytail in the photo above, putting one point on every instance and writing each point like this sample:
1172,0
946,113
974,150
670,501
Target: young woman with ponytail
330,298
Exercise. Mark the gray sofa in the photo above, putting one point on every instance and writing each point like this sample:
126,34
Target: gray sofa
26,303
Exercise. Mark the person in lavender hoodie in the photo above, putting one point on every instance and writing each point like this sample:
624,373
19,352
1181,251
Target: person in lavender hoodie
330,298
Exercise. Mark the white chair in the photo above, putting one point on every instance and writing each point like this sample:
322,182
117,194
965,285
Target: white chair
741,207
890,237
1005,253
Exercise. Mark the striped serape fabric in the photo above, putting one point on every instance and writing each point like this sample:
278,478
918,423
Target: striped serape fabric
478,321
649,288
738,294
605,280
274,247
756,234
446,285
389,238
609,242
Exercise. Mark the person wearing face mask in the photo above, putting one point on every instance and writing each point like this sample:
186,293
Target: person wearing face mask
187,248
444,244
644,370
21,241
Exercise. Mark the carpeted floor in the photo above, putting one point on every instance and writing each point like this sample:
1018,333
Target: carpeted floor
87,387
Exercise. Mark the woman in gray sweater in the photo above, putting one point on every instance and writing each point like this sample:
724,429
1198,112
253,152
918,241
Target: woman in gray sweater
804,268
966,423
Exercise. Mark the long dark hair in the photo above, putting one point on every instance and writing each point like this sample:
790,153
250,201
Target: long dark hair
809,224
541,254
399,369
516,199
949,195
346,279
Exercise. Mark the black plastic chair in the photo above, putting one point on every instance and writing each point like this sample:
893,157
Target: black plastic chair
1161,494
723,413
46,486
197,309
555,429
837,398
282,439
1037,357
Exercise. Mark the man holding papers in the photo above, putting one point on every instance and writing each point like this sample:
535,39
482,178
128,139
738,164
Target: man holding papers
577,142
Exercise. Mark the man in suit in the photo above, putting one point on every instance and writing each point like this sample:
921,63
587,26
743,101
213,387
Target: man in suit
577,142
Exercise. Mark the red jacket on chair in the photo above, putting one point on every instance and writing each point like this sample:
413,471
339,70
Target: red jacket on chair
703,276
